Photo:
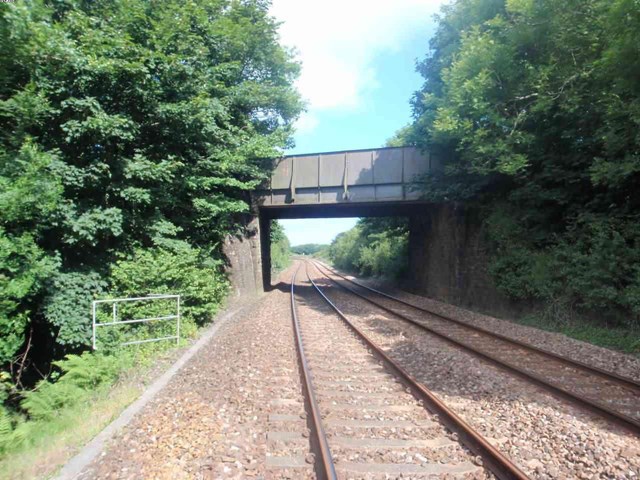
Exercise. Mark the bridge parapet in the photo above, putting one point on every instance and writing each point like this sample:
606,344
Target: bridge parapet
355,176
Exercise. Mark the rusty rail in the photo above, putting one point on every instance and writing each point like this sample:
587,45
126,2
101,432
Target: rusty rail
495,461
619,418
325,468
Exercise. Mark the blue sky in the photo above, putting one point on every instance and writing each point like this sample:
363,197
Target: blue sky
358,75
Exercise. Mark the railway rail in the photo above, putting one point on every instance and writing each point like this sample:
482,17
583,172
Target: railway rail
607,394
360,401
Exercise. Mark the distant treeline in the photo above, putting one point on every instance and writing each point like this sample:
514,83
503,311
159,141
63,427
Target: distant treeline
308,249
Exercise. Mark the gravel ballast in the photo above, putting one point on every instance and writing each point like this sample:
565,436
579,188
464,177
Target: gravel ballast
606,359
547,437
236,409
376,428
215,418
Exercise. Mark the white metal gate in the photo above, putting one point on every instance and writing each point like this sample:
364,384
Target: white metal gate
115,321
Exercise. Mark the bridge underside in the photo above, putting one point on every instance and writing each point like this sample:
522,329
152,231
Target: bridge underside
341,210
448,253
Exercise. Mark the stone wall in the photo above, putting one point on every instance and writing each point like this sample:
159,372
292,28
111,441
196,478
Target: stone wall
244,263
449,258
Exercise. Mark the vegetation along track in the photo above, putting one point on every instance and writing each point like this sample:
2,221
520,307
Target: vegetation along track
367,415
614,397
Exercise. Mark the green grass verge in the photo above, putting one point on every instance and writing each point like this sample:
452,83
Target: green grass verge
623,339
52,443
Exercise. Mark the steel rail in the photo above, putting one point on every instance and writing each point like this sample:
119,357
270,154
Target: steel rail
629,382
325,468
621,419
499,465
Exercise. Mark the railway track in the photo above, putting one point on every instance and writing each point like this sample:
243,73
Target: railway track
611,396
368,418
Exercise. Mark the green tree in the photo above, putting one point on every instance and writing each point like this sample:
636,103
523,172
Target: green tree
128,129
344,250
535,107
402,138
280,248
375,246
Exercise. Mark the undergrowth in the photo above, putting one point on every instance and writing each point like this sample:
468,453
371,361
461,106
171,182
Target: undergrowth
621,338
53,442
61,413
560,316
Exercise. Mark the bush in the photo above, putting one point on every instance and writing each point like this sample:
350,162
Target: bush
76,379
345,249
13,431
79,375
602,263
376,246
187,271
24,267
593,266
69,303
280,248
386,256
10,432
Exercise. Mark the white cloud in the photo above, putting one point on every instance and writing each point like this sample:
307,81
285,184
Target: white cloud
337,41
307,122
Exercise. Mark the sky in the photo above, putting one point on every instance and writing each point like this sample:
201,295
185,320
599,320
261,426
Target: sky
358,75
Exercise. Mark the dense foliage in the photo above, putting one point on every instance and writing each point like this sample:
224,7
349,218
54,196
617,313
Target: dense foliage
535,106
130,135
375,246
280,248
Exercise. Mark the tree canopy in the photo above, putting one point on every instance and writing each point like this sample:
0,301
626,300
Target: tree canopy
535,106
128,129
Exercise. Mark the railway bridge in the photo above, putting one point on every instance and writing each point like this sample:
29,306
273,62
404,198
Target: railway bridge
348,183
447,252
354,183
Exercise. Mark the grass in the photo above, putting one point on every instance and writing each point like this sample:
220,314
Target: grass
53,442
623,339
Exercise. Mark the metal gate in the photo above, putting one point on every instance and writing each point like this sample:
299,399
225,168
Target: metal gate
116,321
